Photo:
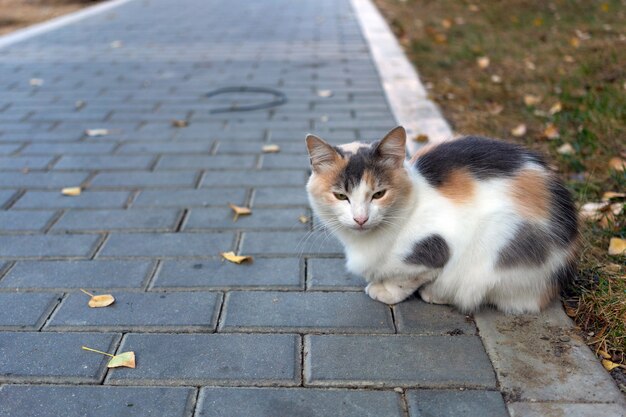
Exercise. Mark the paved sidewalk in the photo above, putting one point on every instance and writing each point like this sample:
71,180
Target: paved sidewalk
288,335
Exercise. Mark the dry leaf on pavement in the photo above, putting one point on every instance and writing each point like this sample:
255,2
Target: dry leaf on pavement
97,301
421,138
125,359
236,259
36,82
180,123
325,93
304,219
271,148
239,211
96,132
71,191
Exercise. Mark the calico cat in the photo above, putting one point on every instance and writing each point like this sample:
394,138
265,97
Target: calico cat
467,222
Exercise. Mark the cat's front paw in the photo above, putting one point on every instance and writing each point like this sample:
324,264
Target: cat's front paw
386,292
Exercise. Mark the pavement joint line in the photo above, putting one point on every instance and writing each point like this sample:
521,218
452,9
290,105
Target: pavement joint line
98,246
55,218
151,276
53,311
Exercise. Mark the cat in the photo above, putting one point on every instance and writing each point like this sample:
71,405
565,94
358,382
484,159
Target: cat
468,222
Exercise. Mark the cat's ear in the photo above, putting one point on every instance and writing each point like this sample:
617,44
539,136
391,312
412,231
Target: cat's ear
321,153
391,150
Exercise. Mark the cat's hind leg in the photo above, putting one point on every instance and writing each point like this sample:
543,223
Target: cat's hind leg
428,293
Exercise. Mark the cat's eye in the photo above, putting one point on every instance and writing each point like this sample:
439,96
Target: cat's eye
379,194
340,196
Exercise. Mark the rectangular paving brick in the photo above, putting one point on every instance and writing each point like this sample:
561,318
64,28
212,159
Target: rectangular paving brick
222,218
292,402
75,148
290,243
331,274
137,219
166,147
206,359
242,147
87,199
285,161
95,401
280,196
284,273
254,178
5,196
191,197
305,312
14,221
167,244
524,409
144,179
42,179
42,357
104,162
417,317
445,403
397,360
96,274
26,310
24,162
37,246
206,162
145,312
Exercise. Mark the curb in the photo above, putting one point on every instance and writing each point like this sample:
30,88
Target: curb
555,373
52,24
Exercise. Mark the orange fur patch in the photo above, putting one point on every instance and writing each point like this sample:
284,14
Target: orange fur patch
459,186
530,194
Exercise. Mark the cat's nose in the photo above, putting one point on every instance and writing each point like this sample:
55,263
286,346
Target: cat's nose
360,220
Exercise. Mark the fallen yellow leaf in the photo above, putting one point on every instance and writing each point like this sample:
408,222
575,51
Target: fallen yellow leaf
421,138
483,62
608,365
530,64
566,149
569,59
571,312
441,38
271,148
531,99
96,132
617,164
97,301
71,191
236,259
611,194
556,107
604,354
446,23
303,219
551,132
617,246
519,130
239,211
180,123
125,359
575,42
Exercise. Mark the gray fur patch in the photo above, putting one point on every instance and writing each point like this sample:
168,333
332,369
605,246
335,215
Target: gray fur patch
432,251
530,247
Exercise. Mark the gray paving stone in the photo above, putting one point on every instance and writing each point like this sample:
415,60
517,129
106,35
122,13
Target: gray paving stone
222,218
144,179
290,243
417,317
254,178
206,162
191,197
285,161
241,147
291,402
34,357
146,312
75,148
280,196
6,149
445,403
24,162
87,199
167,244
94,401
42,179
217,274
104,162
397,360
206,359
38,246
26,310
78,274
24,220
569,410
136,219
5,196
305,312
331,274
166,147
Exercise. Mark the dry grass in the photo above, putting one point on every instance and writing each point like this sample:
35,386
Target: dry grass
569,52
16,14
